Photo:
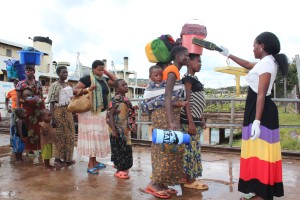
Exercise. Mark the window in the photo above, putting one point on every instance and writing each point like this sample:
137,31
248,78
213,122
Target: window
8,52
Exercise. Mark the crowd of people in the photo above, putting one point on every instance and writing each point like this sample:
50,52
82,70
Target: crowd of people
173,102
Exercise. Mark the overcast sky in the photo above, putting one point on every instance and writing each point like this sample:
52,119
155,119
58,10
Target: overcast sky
113,29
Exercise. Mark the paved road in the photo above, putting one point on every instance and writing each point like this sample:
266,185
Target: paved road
27,181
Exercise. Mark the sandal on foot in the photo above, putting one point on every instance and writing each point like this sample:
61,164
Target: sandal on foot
159,194
183,180
100,166
71,163
92,171
168,190
122,174
58,165
248,196
196,185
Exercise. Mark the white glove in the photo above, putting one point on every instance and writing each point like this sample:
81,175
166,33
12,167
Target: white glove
225,51
255,130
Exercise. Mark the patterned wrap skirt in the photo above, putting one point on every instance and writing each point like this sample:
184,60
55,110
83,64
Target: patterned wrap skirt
65,134
192,164
167,160
93,136
261,163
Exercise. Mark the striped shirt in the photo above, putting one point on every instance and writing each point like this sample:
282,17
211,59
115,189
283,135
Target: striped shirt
197,100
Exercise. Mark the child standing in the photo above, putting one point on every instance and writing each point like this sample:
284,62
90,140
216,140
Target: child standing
21,134
192,121
47,137
155,91
121,123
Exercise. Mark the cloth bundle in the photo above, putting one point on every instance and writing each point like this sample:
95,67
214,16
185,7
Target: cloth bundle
159,49
155,95
15,70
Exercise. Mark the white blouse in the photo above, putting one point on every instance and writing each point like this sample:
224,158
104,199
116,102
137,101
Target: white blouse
265,65
65,96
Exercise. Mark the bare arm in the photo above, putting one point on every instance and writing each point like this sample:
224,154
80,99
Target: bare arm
52,110
19,125
244,63
264,82
112,121
19,95
168,99
111,77
6,104
191,127
80,87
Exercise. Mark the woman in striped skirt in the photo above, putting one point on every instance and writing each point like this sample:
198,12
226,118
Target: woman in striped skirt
261,164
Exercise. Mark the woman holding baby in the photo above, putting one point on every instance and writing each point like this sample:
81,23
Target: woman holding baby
30,97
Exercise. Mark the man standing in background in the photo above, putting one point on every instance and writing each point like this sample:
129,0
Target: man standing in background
13,96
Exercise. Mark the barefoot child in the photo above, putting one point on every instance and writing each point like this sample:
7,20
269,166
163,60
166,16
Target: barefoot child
47,137
155,92
21,134
121,123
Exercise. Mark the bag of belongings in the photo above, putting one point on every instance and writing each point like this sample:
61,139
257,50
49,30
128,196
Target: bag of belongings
159,49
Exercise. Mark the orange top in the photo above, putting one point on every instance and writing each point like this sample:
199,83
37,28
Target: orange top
13,95
171,69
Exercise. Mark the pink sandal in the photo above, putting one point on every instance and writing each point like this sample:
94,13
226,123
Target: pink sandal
122,174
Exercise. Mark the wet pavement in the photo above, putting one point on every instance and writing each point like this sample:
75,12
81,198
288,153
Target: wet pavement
27,181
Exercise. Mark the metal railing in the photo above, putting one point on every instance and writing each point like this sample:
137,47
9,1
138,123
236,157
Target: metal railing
230,125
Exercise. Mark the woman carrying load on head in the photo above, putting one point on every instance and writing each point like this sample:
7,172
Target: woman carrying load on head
167,159
30,97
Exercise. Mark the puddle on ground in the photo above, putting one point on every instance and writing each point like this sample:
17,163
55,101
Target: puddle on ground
7,194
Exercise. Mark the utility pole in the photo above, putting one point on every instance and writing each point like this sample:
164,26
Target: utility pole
274,88
297,59
284,89
298,72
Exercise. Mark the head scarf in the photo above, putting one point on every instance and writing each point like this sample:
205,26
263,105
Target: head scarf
97,93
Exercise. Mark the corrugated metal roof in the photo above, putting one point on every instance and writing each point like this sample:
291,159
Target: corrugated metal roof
11,43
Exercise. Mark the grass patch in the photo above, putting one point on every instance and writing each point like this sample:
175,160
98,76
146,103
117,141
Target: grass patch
288,142
289,117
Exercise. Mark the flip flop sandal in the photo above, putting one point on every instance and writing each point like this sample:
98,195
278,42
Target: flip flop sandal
71,163
92,171
169,190
100,166
122,174
196,185
248,196
58,165
159,194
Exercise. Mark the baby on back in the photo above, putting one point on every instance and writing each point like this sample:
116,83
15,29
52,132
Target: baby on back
155,91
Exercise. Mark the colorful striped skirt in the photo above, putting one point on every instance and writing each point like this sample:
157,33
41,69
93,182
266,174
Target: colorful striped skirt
261,164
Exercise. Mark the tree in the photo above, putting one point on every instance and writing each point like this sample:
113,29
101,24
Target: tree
291,80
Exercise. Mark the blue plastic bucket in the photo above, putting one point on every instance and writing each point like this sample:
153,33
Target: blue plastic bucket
30,57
